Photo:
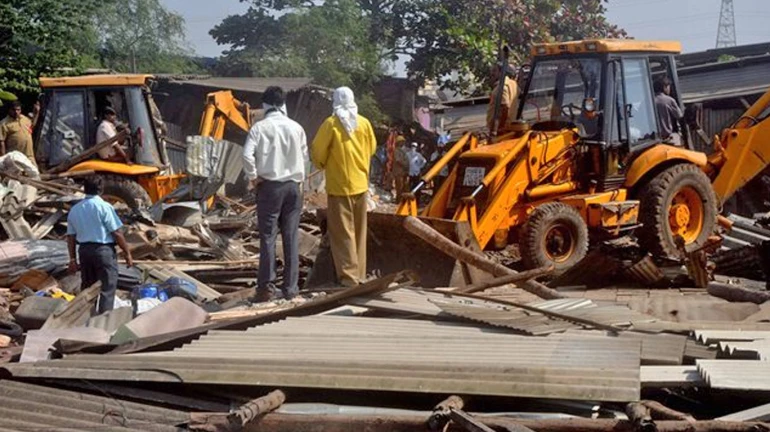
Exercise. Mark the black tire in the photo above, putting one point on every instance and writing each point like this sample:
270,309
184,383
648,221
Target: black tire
11,329
656,196
126,190
555,234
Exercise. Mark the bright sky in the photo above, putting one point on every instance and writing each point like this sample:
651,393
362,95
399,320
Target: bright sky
693,22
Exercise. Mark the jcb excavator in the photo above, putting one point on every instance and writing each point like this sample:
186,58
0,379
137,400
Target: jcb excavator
70,116
584,161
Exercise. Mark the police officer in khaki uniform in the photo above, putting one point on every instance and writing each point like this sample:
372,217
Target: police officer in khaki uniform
16,133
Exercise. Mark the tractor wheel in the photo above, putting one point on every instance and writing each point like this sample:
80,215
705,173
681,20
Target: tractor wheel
678,202
555,234
123,190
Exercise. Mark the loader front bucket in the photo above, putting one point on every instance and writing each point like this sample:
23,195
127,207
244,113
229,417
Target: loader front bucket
391,248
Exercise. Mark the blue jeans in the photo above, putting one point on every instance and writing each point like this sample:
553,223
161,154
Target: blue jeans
279,207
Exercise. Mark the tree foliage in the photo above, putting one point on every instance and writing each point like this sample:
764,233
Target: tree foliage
465,37
142,36
41,36
328,42
340,41
55,37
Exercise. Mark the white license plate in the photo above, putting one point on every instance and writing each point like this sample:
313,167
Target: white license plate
474,176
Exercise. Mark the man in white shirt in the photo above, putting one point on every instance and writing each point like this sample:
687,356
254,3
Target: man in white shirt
107,130
274,161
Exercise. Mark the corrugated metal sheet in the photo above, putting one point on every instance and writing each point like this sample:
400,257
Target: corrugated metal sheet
31,407
538,324
356,353
726,80
670,376
760,413
691,326
695,351
645,271
691,308
49,256
754,350
715,336
736,374
657,349
38,343
751,345
416,301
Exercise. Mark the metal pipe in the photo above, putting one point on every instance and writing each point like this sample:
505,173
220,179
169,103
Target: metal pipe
548,190
418,187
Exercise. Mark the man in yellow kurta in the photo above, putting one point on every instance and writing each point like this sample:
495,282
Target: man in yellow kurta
343,147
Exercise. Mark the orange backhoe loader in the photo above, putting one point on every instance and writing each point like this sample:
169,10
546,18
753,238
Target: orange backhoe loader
584,161
71,112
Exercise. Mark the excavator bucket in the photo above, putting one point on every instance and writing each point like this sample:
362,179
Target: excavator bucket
391,248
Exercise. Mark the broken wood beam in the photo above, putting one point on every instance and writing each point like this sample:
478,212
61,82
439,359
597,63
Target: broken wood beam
57,189
469,423
64,166
505,280
440,416
239,418
734,293
640,416
662,412
447,246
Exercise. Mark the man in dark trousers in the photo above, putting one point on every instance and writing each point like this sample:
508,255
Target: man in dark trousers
93,228
274,158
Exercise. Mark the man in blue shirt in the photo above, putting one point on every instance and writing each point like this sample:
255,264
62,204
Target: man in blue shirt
94,227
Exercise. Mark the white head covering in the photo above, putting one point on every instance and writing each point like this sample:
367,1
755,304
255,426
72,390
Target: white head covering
345,108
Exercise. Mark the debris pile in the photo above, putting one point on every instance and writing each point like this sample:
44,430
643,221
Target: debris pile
619,342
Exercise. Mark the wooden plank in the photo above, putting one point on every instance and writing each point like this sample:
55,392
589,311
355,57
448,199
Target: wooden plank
44,226
64,166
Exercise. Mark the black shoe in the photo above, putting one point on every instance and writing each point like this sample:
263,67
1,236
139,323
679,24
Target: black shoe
288,295
262,296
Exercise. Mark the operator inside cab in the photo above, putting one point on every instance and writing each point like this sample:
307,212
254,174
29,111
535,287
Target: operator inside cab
108,129
508,103
669,112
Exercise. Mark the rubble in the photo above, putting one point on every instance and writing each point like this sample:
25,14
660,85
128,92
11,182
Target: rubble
618,342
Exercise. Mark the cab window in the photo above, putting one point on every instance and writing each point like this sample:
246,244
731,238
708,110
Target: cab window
639,109
64,137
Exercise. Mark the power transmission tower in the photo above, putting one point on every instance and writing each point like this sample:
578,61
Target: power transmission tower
726,31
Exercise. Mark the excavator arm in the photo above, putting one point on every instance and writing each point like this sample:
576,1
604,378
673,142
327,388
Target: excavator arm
222,107
742,151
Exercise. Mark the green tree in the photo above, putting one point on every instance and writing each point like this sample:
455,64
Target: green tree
351,41
40,36
142,36
328,42
465,37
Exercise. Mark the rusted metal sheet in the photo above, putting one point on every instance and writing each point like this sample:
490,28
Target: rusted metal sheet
26,406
